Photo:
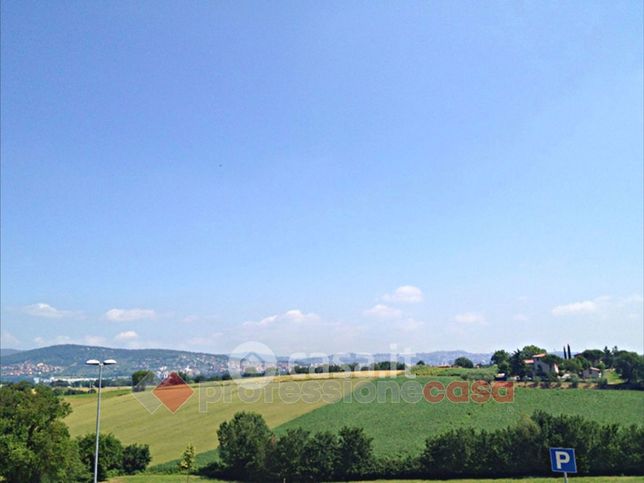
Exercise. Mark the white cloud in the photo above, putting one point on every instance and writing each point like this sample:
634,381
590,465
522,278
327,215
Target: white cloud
602,306
290,316
128,315
470,318
520,317
45,310
382,311
576,308
406,294
296,315
125,336
295,330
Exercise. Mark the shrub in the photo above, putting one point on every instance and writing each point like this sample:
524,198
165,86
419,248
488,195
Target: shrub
187,461
110,459
136,457
463,362
448,454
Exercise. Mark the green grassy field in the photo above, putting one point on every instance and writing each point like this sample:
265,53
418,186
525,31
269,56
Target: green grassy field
168,434
401,428
397,427
587,479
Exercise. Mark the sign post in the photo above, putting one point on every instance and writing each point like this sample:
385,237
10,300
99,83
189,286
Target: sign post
562,460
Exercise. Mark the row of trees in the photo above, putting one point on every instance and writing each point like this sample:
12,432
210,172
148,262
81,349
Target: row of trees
523,449
106,382
35,444
142,378
249,451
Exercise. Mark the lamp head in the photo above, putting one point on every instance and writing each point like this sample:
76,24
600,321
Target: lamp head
109,362
93,362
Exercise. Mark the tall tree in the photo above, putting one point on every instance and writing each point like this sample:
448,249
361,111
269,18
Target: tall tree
499,357
34,442
530,350
110,453
630,366
463,362
355,452
242,444
285,458
319,456
187,461
140,379
594,356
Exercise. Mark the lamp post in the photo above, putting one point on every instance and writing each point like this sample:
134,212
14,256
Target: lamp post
95,362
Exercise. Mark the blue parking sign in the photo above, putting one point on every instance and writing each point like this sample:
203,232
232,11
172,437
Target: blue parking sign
562,460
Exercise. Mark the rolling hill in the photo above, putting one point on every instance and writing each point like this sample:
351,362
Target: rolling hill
133,417
7,352
69,360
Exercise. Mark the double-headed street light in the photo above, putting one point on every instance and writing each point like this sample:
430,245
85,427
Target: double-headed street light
95,362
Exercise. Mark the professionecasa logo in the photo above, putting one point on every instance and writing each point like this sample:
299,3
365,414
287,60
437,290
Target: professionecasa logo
171,392
463,392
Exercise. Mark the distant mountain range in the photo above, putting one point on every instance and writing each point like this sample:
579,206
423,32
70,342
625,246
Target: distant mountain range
69,361
8,352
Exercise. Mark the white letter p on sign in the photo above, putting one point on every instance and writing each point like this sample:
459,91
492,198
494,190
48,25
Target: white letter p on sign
561,458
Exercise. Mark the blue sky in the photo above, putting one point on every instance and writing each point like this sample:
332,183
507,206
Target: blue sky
322,176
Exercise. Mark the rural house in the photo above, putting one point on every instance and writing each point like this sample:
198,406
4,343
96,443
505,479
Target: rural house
540,367
591,373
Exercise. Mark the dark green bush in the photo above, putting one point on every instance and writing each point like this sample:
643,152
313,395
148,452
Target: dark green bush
110,461
519,450
136,457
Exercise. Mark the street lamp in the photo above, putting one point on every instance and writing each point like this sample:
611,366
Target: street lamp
95,362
